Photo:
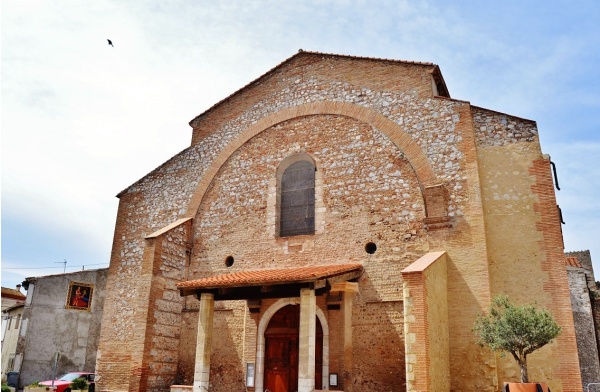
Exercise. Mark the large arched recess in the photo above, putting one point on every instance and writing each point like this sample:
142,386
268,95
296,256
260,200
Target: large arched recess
412,151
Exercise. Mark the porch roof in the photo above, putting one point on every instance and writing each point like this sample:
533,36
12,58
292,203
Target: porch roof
271,283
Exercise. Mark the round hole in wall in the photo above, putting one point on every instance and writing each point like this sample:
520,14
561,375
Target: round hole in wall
370,248
229,261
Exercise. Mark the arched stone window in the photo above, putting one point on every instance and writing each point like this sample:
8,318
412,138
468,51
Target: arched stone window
296,196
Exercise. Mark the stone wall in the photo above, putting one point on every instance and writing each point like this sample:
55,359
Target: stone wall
396,166
148,359
585,259
583,318
163,330
596,313
164,194
370,193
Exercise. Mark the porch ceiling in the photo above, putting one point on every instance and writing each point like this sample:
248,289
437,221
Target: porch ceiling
271,283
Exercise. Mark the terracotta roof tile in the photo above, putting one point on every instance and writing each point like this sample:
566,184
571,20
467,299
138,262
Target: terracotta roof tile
12,293
270,276
572,262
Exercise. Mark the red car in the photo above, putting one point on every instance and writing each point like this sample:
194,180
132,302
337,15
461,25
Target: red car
63,384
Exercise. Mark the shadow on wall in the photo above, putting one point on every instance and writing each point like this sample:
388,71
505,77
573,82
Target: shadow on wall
226,365
377,339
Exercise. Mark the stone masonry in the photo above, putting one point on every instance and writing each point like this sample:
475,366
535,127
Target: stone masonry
402,170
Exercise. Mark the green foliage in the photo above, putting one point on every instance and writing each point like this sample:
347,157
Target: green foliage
519,330
34,384
79,383
5,388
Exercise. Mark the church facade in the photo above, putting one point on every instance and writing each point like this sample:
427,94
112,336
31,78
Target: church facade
337,224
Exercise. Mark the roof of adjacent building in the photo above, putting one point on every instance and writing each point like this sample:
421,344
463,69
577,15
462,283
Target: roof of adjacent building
16,306
572,262
271,276
12,293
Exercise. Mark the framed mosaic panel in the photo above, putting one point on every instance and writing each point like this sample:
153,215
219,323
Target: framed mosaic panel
79,296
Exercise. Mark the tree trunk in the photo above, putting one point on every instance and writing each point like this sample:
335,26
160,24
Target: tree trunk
523,366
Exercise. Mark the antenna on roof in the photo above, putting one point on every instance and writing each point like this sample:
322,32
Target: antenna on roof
62,262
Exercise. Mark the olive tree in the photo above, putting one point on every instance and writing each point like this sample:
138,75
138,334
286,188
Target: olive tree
520,330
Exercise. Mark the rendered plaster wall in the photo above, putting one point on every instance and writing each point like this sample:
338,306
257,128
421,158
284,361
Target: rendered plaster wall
583,318
10,337
48,327
525,250
10,299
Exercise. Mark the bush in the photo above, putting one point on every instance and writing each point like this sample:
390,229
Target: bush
79,383
5,388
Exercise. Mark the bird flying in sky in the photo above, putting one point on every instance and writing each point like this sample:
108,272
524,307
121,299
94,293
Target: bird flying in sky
110,43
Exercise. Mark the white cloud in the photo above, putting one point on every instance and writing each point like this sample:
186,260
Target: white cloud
82,120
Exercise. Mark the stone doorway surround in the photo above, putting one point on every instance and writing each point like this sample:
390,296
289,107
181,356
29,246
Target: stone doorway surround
260,345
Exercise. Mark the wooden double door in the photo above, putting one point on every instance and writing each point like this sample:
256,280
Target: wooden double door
281,351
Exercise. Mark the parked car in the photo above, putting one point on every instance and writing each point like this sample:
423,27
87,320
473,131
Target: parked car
63,383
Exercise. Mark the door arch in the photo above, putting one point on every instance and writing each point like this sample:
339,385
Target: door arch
260,349
281,351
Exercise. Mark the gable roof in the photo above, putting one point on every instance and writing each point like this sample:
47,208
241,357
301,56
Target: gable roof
436,73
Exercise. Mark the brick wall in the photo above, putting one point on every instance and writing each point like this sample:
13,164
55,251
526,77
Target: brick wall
145,357
426,323
379,138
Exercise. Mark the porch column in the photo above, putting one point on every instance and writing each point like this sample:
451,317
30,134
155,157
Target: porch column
308,332
204,343
349,289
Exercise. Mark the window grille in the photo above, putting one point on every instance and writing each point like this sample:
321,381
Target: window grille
297,206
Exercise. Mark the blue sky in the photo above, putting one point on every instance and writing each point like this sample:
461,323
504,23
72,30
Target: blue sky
82,120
